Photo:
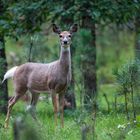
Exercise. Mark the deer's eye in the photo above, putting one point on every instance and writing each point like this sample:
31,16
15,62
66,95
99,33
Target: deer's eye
69,36
60,36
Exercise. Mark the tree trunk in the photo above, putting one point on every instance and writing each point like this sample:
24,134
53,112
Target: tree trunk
3,69
89,64
137,37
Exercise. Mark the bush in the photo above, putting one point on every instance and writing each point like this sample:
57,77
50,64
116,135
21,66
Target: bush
128,79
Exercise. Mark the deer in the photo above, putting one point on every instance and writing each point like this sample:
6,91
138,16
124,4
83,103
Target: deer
52,78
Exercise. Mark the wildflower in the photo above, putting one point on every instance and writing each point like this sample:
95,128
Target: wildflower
121,126
128,123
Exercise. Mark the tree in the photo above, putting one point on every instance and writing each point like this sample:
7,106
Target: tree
137,36
89,61
3,62
128,79
3,87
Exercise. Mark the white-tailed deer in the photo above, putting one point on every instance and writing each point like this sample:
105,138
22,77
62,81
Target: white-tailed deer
37,77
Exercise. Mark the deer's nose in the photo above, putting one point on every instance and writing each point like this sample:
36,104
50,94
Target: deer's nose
65,42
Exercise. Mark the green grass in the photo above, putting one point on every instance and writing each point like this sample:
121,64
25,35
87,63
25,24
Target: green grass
46,123
116,127
107,126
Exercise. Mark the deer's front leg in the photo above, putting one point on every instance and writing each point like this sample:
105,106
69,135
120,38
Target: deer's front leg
55,105
61,108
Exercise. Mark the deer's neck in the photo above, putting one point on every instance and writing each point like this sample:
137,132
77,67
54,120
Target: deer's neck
65,58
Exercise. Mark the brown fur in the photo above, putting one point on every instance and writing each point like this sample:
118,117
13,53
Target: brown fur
38,78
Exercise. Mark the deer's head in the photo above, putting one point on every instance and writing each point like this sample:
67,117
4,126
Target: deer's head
65,36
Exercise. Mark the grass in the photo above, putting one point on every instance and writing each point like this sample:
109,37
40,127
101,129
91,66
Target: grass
116,127
46,123
112,126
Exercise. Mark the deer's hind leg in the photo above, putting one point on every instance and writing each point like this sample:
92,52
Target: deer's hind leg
32,107
10,106
19,92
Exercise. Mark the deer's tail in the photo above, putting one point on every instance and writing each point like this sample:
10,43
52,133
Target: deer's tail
9,73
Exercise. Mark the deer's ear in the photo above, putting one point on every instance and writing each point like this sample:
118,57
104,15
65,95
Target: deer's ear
73,28
56,29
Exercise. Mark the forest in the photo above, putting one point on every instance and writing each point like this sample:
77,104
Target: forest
98,42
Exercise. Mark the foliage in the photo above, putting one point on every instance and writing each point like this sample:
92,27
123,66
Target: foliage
22,17
102,12
129,80
129,75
